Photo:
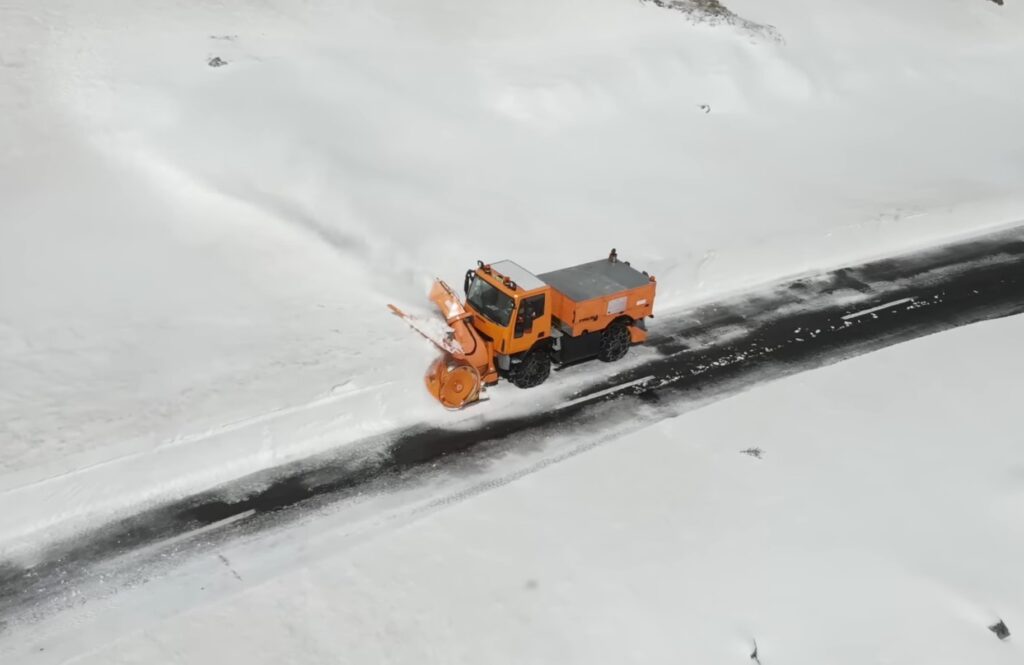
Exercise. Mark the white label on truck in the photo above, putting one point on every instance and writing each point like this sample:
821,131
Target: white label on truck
641,302
617,306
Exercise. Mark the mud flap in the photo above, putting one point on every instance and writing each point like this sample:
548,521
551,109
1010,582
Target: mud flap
637,335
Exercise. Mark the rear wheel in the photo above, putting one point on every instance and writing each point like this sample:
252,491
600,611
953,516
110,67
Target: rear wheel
532,371
615,341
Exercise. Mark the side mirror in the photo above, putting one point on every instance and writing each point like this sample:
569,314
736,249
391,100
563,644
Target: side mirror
469,280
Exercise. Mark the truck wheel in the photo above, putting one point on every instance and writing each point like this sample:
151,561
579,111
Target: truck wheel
532,371
615,341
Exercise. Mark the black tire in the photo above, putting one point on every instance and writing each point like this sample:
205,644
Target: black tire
532,371
615,342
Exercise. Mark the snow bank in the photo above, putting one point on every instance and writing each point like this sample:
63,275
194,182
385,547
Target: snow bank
187,247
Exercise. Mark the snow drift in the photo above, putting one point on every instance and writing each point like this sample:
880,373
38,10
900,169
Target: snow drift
190,251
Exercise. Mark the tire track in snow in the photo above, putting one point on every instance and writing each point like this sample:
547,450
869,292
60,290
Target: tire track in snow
774,332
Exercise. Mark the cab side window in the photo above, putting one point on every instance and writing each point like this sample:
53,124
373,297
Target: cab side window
530,309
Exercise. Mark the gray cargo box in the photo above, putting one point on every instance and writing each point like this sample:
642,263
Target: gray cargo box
595,279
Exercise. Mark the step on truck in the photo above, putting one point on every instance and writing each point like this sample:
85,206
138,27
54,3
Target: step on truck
514,324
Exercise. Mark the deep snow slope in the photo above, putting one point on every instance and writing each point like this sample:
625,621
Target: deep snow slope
194,260
878,523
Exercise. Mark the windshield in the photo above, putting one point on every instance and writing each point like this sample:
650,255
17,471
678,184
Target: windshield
489,301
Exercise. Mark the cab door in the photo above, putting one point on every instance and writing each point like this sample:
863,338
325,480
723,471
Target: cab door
531,322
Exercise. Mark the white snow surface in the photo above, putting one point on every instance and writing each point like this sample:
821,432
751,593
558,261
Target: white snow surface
880,525
195,260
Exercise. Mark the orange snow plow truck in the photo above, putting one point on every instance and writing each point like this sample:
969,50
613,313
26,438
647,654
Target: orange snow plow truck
515,324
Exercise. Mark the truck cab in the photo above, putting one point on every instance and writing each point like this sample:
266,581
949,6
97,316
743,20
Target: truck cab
511,307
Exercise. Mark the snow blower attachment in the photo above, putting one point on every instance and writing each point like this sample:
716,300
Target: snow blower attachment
515,324
458,376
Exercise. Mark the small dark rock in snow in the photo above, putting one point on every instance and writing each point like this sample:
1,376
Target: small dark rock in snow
1000,629
706,108
998,2
216,61
711,7
753,656
753,452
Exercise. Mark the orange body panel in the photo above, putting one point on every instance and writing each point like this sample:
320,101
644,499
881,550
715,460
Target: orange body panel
598,313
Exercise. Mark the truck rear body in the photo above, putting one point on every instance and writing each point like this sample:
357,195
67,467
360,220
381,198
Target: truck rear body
589,297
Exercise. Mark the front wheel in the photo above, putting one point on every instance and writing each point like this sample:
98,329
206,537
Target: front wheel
615,341
532,370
